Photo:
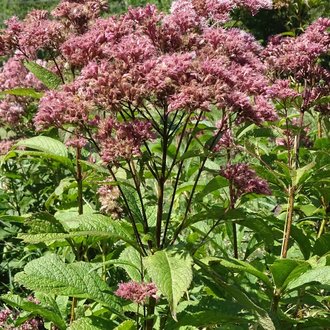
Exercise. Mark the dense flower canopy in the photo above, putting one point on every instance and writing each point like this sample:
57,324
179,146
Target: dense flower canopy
145,60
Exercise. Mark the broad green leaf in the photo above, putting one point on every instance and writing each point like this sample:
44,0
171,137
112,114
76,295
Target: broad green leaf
48,78
286,270
261,228
302,240
49,274
301,174
92,323
243,267
126,325
206,312
322,143
45,144
319,274
215,184
47,312
94,225
216,213
172,275
133,202
187,186
45,155
241,297
322,245
133,257
43,222
28,92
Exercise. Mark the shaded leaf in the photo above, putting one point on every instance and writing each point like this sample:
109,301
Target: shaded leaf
49,313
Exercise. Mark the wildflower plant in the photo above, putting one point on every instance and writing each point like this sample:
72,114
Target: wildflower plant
177,139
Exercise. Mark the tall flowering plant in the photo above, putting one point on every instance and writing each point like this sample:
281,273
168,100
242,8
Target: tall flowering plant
153,109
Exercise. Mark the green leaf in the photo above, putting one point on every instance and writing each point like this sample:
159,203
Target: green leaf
28,92
49,313
45,144
49,274
133,267
215,184
92,323
62,160
286,270
43,222
172,274
243,267
48,78
134,206
206,312
319,274
243,299
322,245
126,325
301,174
94,225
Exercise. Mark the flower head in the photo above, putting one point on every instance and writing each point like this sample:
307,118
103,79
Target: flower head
244,180
136,292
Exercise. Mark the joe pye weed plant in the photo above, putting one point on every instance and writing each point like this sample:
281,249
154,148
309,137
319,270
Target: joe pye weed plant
164,170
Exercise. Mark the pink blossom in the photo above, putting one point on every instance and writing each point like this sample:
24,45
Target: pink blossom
78,13
108,196
5,146
136,292
244,180
281,90
122,140
34,33
226,141
57,108
11,111
76,142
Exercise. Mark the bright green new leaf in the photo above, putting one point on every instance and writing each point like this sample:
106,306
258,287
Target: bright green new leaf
45,144
172,274
28,92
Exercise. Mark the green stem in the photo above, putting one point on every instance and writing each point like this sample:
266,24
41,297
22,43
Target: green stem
161,182
79,180
201,168
288,222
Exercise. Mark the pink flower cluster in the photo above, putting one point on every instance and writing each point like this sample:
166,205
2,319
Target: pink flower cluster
61,107
77,13
12,75
108,196
299,57
8,316
136,292
35,32
244,180
122,140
